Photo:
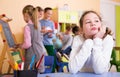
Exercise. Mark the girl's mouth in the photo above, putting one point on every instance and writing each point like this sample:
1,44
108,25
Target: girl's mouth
93,28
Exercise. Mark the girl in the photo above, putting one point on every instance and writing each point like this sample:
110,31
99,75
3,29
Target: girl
40,11
91,51
32,37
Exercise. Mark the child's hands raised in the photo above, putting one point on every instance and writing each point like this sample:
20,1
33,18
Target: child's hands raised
101,32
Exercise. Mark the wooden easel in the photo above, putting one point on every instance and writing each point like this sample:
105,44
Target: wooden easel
8,41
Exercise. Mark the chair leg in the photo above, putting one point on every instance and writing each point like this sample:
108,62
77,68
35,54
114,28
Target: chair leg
117,68
110,67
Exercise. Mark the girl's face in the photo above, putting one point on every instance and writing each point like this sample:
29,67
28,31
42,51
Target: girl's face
91,24
40,14
26,17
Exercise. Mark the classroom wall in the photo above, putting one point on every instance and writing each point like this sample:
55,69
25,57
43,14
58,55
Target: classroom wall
111,17
107,11
13,9
116,0
117,25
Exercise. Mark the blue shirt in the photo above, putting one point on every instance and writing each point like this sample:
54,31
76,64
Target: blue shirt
46,39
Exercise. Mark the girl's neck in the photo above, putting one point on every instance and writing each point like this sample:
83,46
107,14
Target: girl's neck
30,22
67,32
87,37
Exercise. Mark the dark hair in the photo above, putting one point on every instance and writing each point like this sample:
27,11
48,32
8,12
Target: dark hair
47,8
75,29
39,8
84,14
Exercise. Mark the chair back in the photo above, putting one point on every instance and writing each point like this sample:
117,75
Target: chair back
49,63
115,58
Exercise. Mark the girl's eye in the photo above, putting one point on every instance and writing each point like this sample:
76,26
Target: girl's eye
88,22
96,20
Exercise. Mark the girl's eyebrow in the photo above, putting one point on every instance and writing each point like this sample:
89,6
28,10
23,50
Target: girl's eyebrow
87,19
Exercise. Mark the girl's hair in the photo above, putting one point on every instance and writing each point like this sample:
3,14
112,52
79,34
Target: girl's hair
33,13
35,17
39,8
28,9
68,27
84,14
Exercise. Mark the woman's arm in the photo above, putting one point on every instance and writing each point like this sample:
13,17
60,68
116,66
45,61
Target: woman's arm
81,50
27,38
101,54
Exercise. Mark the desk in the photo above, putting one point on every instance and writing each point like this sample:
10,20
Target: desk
109,74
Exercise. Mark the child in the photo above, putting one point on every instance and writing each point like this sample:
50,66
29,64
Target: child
91,51
40,11
48,27
67,39
32,38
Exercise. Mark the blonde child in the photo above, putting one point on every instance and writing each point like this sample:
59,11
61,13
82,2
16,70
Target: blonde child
92,50
32,38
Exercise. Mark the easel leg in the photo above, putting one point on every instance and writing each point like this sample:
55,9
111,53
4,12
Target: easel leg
2,57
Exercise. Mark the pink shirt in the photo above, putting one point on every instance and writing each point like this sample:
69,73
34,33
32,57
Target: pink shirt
27,37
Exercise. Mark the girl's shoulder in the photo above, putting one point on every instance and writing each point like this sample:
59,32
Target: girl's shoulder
108,37
79,38
27,27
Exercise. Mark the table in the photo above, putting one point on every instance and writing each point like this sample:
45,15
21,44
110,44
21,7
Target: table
108,74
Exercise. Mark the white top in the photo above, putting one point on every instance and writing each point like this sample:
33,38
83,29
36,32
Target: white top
91,55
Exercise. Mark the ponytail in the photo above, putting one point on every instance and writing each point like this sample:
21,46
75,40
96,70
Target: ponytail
35,18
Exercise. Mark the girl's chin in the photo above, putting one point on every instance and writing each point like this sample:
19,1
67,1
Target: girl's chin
94,32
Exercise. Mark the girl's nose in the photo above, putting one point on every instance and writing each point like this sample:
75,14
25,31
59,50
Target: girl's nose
92,24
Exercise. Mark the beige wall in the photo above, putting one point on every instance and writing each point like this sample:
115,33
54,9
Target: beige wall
13,9
116,0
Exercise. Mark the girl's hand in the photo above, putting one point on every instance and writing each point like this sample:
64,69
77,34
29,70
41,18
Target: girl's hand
50,35
101,32
17,46
43,30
